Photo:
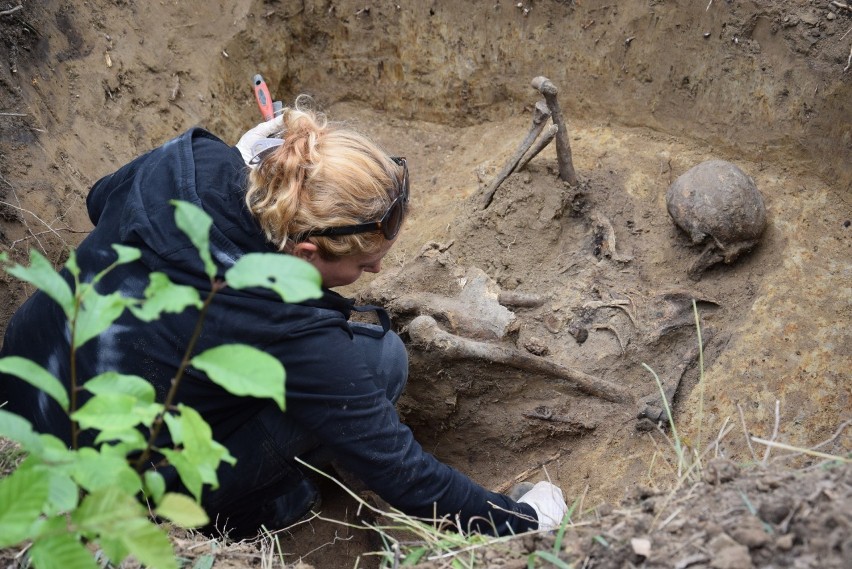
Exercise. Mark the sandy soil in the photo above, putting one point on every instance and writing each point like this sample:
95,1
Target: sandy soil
650,89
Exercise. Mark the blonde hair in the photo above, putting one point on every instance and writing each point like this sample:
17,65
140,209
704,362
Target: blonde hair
323,175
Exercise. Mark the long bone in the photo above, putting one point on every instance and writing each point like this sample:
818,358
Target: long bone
424,331
563,150
539,145
540,116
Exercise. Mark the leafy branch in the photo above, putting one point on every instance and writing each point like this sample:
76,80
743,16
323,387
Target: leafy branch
60,498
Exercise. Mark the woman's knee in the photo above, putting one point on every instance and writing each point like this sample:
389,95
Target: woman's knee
386,356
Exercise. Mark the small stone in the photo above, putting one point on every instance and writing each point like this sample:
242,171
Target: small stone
830,16
536,347
751,534
720,470
809,18
728,554
785,542
775,510
553,323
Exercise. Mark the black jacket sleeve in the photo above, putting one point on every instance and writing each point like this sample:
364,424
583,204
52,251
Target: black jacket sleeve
337,400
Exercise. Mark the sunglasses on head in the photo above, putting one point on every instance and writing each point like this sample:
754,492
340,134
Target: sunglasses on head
390,223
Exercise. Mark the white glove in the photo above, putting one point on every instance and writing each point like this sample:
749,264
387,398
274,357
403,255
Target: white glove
548,503
255,139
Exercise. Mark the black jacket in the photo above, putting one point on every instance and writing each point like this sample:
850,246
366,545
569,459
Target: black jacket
327,390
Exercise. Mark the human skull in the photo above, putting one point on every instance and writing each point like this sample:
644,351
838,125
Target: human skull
717,199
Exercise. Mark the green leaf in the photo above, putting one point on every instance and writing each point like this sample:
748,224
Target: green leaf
204,562
244,370
114,549
64,494
197,439
123,528
162,295
195,223
36,376
63,551
414,556
20,430
126,254
155,485
54,451
292,278
104,510
22,497
197,462
97,313
42,275
94,470
123,441
148,544
114,412
181,510
551,558
72,266
114,382
187,471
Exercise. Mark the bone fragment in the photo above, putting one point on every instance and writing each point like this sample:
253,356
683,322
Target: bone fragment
652,404
539,145
563,150
614,303
424,331
540,116
604,226
520,299
503,488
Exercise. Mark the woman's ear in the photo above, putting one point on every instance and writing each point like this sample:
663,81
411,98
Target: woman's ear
305,250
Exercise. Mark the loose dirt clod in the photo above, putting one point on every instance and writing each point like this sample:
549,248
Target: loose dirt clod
717,199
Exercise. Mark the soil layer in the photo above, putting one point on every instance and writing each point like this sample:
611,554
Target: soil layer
649,90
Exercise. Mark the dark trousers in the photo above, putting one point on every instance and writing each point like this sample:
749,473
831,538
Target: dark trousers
266,487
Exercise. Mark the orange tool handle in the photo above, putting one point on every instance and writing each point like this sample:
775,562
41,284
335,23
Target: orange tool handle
264,99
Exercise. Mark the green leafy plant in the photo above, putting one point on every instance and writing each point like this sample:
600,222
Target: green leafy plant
69,502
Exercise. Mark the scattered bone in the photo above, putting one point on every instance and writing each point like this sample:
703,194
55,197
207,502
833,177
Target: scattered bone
11,10
503,488
424,331
539,145
652,405
475,313
621,343
540,116
670,311
605,239
621,304
563,150
545,413
520,299
175,89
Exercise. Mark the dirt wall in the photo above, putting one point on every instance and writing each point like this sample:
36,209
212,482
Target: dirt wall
760,79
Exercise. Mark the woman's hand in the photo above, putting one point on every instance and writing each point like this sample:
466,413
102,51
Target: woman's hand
252,141
548,503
